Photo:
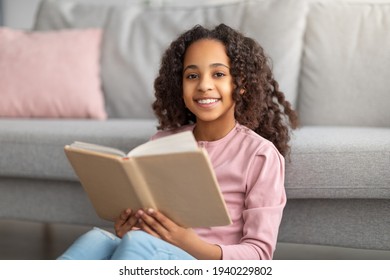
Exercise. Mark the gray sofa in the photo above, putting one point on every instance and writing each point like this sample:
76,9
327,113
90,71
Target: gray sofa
331,58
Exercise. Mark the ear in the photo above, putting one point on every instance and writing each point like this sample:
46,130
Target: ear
242,91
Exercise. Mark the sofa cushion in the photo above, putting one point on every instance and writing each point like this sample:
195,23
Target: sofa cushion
137,33
49,201
51,74
353,223
339,162
346,65
34,148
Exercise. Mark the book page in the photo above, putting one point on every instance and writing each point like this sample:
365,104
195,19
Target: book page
185,188
176,143
97,148
105,180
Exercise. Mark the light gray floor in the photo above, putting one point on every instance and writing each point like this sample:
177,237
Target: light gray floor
35,241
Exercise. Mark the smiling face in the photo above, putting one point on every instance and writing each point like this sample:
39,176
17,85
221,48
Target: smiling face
207,83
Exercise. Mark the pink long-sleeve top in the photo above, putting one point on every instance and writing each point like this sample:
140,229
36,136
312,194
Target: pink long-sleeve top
250,172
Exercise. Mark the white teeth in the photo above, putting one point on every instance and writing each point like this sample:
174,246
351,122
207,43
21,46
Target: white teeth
206,101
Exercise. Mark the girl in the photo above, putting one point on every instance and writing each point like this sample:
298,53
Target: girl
218,84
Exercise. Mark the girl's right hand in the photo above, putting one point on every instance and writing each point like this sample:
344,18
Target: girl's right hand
125,222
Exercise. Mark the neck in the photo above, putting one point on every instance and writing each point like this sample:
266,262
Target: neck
205,131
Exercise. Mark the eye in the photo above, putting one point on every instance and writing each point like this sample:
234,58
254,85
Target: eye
192,76
219,74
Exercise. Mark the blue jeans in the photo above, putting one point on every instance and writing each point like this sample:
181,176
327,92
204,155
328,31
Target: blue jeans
98,244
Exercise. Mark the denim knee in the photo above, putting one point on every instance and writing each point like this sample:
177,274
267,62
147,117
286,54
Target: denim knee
96,244
139,245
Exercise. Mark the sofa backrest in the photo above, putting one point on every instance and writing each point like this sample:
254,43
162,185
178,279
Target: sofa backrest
136,33
330,57
345,77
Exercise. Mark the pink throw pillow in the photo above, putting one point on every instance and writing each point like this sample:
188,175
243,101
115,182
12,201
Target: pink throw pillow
52,74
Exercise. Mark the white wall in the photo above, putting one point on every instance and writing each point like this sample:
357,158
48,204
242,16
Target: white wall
19,13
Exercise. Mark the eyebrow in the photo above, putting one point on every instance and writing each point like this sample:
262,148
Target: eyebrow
192,66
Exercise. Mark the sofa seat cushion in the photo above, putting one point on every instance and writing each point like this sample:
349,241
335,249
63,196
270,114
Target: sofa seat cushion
339,162
34,148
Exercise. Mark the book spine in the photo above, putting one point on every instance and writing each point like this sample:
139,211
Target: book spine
138,181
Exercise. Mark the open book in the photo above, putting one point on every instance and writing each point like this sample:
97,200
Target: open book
171,174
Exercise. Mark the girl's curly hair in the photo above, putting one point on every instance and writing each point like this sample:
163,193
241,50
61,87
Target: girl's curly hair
260,105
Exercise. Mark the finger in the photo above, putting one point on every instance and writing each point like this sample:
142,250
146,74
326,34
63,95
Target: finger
161,218
122,218
149,220
131,222
143,226
124,223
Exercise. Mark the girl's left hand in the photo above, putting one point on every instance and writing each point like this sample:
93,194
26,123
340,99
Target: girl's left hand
157,224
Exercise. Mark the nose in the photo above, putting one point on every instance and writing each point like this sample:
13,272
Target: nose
205,84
